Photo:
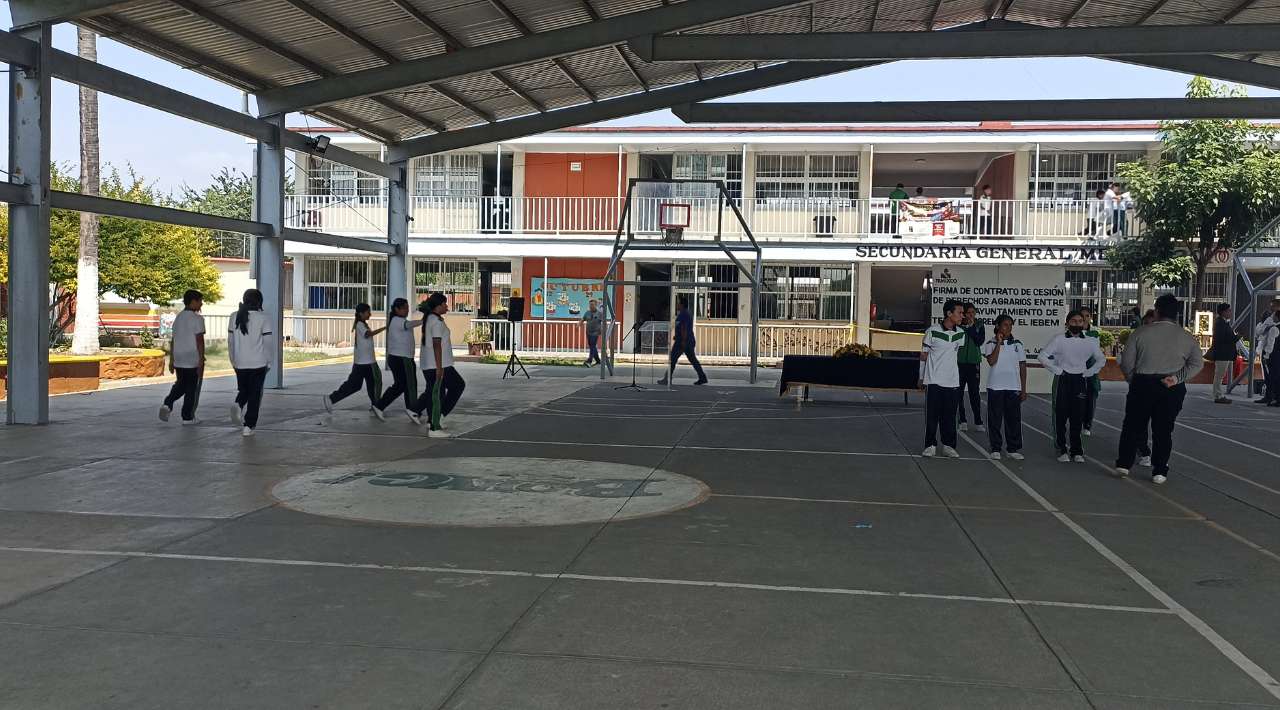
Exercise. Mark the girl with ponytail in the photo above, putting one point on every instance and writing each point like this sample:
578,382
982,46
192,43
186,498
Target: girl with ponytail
364,366
444,385
249,343
400,361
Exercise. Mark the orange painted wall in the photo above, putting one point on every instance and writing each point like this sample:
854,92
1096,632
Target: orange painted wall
534,332
548,175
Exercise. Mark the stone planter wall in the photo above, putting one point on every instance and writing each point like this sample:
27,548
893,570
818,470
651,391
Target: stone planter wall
84,374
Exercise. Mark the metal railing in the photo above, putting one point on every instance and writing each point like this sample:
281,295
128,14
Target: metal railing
770,218
541,338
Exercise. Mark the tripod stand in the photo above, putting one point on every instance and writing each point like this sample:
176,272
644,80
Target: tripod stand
634,360
514,364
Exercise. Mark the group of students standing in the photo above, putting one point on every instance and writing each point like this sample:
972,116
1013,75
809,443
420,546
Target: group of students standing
1158,360
250,343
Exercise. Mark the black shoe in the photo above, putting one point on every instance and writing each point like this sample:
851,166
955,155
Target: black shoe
702,381
1262,401
1274,404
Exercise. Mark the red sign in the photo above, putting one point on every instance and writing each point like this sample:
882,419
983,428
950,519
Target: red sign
939,229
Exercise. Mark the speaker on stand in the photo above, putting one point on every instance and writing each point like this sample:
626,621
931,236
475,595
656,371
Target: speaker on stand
515,316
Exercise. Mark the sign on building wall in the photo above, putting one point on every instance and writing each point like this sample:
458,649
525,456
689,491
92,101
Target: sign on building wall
1036,297
563,298
1048,255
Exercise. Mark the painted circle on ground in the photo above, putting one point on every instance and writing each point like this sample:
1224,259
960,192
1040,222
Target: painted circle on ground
489,492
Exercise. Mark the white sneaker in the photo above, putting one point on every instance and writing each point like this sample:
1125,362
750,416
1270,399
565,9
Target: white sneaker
979,427
1145,461
950,452
1016,456
413,417
378,413
1077,458
1086,432
1158,479
995,455
237,415
964,426
328,404
929,452
190,422
1064,458
165,411
247,431
439,433
1120,472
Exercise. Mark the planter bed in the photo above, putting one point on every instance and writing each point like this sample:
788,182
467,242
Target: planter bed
76,373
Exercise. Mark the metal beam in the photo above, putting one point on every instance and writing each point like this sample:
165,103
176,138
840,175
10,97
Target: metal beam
976,111
153,213
1214,67
28,277
525,30
16,194
373,166
31,12
337,240
399,214
1048,42
268,253
509,53
726,85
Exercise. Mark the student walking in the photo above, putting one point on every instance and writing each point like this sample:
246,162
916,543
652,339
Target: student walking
1157,362
1095,382
1222,351
249,343
404,374
1006,388
940,378
186,359
684,343
443,385
985,220
593,324
364,364
1097,211
1113,200
969,357
1067,357
1268,337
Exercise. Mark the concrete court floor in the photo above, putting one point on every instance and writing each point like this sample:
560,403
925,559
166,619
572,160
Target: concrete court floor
145,565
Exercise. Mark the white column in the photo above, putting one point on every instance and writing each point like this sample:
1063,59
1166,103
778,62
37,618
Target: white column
270,252
29,92
299,298
398,216
862,301
866,181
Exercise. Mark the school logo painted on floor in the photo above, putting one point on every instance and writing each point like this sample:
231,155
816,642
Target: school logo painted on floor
489,492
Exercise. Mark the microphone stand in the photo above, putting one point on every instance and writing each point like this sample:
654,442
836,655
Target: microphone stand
634,359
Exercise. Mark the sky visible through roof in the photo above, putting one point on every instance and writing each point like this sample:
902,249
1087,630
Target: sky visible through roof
172,151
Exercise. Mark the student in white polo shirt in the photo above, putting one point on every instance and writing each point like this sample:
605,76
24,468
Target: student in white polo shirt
248,342
404,374
186,358
443,385
364,364
1006,388
940,378
1073,358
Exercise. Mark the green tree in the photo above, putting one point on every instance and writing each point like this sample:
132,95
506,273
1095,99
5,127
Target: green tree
1217,181
230,194
138,260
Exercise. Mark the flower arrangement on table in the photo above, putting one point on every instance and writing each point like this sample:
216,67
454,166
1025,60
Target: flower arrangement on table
856,351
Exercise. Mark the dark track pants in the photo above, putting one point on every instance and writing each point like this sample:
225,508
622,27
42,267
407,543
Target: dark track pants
1150,403
940,405
969,379
186,388
689,353
439,404
249,385
1004,408
404,381
367,375
1070,401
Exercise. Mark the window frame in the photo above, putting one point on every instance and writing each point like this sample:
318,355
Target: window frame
781,300
804,176
710,302
455,175
343,288
451,285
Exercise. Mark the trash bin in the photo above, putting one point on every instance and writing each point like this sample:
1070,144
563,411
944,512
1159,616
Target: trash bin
824,225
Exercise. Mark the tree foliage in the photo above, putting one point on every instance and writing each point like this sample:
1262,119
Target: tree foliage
1216,183
230,194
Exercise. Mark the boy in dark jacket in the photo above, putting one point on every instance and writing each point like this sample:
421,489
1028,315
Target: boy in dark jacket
969,357
1222,351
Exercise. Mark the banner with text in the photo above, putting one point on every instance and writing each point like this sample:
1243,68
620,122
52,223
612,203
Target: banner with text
565,299
1036,297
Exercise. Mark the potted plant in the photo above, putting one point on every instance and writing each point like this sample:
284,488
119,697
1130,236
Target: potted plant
479,341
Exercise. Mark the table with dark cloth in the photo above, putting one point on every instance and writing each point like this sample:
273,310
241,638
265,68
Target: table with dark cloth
883,373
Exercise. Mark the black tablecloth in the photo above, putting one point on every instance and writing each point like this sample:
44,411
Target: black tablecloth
877,373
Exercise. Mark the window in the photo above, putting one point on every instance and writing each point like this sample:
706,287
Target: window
1119,298
829,176
499,291
1075,176
455,278
1082,289
448,175
325,177
807,292
1215,292
712,301
708,166
341,284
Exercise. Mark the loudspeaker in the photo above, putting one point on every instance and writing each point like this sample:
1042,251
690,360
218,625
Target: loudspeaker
515,310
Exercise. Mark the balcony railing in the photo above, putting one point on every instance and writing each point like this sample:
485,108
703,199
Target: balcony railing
770,219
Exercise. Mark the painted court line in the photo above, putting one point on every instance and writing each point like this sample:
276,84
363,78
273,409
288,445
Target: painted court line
1227,439
702,448
942,506
839,591
1225,647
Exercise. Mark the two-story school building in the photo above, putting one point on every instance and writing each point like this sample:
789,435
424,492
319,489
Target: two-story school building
866,227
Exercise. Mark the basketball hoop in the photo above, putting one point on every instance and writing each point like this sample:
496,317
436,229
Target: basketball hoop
673,217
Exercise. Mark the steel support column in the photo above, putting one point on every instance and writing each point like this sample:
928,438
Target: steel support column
28,368
399,215
270,252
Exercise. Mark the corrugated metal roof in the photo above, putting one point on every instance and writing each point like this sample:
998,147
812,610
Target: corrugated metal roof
260,44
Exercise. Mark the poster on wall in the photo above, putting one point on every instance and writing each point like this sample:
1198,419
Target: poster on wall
564,299
1035,296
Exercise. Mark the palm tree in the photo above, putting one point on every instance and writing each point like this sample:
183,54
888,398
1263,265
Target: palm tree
85,341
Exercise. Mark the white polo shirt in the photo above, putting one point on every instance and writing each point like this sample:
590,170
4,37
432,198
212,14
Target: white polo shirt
436,328
186,327
400,337
363,345
250,349
941,345
1006,374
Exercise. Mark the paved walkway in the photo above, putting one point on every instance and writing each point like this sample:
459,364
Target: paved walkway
580,547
